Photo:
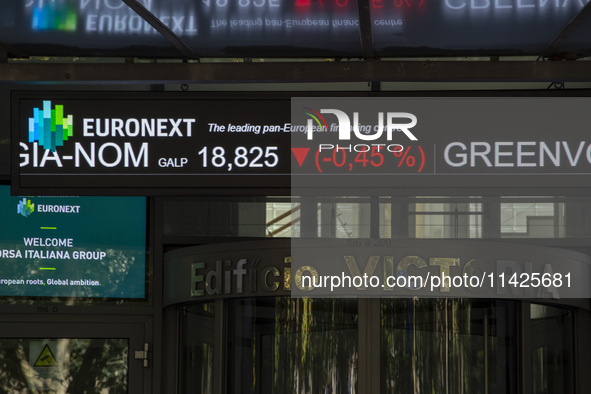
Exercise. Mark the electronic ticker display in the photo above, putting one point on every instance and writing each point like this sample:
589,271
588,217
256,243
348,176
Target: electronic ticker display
87,142
162,144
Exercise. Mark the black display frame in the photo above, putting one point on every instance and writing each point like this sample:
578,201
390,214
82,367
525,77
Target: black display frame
272,185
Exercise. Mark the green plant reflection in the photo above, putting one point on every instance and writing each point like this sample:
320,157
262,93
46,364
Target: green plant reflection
284,345
448,346
96,365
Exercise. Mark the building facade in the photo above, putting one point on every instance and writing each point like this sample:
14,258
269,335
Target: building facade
168,214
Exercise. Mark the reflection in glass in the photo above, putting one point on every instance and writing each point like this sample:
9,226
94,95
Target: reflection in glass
230,217
425,217
64,365
284,346
282,219
551,349
400,28
212,28
352,219
197,349
448,346
385,220
531,218
445,217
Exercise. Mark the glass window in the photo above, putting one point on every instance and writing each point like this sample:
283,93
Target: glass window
385,219
551,349
337,217
448,346
283,219
445,217
231,217
531,218
64,365
197,348
352,219
424,217
285,346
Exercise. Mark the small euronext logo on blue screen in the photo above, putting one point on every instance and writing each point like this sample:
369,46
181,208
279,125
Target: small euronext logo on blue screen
25,207
50,127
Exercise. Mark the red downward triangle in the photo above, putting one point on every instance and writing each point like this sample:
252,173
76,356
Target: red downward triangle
300,154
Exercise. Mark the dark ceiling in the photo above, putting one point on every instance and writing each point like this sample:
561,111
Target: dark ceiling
294,40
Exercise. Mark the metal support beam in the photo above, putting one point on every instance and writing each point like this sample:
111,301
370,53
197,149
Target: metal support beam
157,24
10,51
365,29
568,30
294,72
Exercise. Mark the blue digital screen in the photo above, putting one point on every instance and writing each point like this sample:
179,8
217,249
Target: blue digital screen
72,246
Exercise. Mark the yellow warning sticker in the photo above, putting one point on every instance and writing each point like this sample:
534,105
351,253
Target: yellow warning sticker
46,358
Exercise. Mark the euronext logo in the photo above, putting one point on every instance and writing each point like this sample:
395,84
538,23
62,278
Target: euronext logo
25,207
53,17
50,127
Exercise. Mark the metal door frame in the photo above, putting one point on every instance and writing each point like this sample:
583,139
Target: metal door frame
137,329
